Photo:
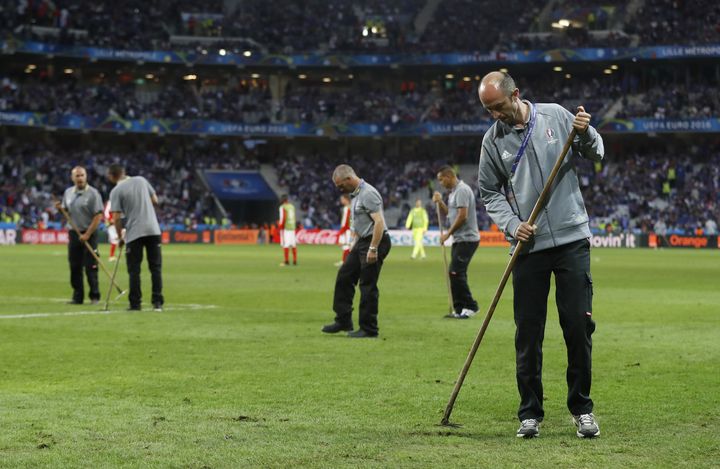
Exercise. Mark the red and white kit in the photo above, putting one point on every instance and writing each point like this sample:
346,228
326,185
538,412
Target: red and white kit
112,232
287,237
344,234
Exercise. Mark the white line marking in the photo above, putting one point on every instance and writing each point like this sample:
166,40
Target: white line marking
177,307
33,299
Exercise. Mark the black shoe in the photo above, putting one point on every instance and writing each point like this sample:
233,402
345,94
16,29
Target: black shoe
74,302
157,307
336,327
361,334
134,308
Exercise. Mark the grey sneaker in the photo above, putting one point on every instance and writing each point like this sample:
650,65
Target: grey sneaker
529,428
586,425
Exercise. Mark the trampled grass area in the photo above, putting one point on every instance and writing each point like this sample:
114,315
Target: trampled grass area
237,374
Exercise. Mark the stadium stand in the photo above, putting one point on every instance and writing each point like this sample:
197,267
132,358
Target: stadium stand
33,172
678,186
222,97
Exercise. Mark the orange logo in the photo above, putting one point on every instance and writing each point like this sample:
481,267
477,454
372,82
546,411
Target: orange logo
688,241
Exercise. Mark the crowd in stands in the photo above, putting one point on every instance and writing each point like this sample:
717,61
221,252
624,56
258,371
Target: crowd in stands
469,25
412,103
240,103
660,189
674,187
284,26
129,24
30,173
686,22
307,178
640,190
288,26
570,38
670,189
407,102
673,101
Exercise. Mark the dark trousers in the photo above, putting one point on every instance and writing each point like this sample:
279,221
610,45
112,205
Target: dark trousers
134,254
461,255
356,269
80,259
573,295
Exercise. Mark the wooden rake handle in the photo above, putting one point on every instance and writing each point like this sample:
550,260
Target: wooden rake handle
451,303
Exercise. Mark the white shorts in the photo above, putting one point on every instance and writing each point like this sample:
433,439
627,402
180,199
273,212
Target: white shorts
344,240
287,238
112,235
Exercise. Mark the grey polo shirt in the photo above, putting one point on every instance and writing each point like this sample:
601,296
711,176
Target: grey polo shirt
462,196
82,205
365,200
132,197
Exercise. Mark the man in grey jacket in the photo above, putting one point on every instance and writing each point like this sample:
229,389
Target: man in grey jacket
518,153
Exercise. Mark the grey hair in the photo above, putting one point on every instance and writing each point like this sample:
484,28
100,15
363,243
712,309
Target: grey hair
501,80
343,171
507,84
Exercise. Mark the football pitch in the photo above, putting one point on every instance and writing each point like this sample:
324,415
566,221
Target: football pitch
236,373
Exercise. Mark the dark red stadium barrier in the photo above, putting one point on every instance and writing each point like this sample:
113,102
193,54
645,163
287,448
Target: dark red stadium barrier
236,236
30,236
187,237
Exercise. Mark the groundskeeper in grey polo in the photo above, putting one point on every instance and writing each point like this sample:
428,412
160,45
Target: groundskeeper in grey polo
133,203
85,206
463,196
82,205
462,218
518,154
365,259
364,201
133,197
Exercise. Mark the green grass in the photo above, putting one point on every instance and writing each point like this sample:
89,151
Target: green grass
246,379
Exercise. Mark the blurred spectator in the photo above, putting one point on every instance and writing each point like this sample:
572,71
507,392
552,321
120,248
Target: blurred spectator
287,26
32,172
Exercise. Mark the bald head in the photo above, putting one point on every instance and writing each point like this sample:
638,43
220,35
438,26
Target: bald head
501,98
79,177
495,86
342,171
345,179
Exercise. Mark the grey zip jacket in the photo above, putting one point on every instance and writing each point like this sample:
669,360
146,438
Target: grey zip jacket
509,201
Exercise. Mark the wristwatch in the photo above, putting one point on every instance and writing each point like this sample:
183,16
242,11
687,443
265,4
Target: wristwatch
372,249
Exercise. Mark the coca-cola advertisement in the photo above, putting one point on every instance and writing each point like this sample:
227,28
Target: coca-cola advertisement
316,236
44,236
398,238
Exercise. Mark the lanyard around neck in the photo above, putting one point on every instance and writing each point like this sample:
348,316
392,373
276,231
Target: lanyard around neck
526,140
